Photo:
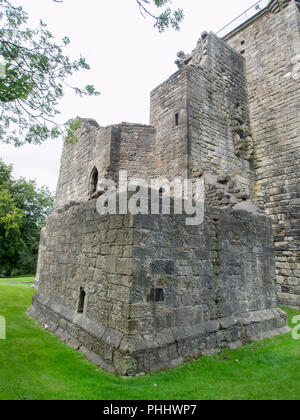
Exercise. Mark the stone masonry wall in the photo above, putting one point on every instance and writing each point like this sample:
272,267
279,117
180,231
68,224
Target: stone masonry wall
92,252
133,150
270,44
119,147
78,160
220,268
168,114
156,292
199,121
218,113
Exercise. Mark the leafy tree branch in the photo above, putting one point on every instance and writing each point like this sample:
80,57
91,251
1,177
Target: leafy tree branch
23,210
35,69
33,80
165,19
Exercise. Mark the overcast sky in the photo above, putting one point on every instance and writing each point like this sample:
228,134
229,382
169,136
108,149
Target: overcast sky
128,58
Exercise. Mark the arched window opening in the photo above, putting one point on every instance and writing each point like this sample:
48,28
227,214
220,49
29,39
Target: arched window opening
94,181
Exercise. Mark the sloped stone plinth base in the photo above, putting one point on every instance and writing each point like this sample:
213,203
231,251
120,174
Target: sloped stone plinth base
146,292
128,355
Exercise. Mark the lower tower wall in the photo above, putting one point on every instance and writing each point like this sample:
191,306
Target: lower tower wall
146,292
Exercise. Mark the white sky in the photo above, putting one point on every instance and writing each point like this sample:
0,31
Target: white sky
128,58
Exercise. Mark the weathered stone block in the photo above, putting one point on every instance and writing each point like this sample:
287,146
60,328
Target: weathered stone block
124,266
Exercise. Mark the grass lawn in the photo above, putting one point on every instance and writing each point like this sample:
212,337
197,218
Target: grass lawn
36,365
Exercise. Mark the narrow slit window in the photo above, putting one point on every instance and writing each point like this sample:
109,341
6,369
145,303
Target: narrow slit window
81,302
176,119
94,181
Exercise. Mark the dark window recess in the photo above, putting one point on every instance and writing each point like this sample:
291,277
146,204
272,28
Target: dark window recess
156,295
81,301
94,181
176,119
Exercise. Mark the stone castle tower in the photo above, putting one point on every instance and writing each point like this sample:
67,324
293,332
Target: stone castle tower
145,292
270,43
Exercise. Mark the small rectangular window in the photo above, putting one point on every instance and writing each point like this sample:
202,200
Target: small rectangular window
176,119
156,295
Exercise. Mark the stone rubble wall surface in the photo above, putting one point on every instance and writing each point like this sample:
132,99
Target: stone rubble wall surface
217,282
219,134
271,47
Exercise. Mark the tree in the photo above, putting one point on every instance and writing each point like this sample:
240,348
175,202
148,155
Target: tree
34,79
10,232
165,19
23,211
34,76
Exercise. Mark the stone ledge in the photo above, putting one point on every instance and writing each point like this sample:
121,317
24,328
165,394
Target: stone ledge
110,336
290,300
168,348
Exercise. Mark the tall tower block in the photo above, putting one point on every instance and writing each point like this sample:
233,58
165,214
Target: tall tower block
270,42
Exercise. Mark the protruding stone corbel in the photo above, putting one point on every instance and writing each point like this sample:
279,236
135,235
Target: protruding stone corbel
183,59
276,6
198,55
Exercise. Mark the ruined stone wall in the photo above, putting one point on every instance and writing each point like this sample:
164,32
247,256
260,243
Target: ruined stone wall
219,136
124,146
77,162
92,252
199,121
201,116
133,150
270,42
156,291
223,267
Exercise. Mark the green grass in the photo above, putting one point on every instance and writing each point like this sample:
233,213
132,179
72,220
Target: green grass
35,365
